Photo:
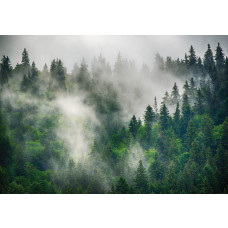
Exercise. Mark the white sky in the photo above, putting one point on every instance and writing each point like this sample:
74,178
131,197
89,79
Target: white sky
71,49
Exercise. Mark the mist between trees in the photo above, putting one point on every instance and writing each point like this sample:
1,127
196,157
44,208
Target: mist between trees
115,130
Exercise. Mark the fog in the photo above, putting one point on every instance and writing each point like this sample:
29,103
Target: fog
116,80
71,49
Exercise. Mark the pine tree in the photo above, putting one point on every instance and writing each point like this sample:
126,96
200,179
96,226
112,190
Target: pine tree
199,105
25,61
186,88
219,58
164,117
185,102
155,106
186,114
196,152
186,60
200,66
122,186
60,75
177,119
208,60
221,161
190,135
5,70
156,169
175,94
141,179
133,126
25,83
149,115
83,77
166,98
192,59
159,62
207,131
34,76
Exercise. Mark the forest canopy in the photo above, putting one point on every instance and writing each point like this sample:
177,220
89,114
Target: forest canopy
103,129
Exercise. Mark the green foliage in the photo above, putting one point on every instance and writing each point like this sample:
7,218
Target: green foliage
141,179
184,151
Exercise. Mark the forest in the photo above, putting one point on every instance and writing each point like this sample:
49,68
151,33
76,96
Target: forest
103,129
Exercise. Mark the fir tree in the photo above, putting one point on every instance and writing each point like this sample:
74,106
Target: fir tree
199,105
5,70
149,115
141,179
175,94
133,126
164,117
208,60
219,58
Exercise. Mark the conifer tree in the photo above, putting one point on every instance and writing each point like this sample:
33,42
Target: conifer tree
156,169
186,88
192,60
177,119
133,126
25,61
190,135
122,186
166,98
159,62
141,179
155,106
208,60
219,58
164,117
175,94
149,115
5,70
199,105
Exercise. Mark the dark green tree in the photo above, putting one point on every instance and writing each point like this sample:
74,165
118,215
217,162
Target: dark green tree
175,94
156,169
208,60
149,115
219,58
133,126
164,117
122,186
141,179
25,61
199,104
5,70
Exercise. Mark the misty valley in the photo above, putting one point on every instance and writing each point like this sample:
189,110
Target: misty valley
120,129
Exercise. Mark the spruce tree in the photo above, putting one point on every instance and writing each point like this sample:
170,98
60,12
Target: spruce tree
219,58
25,61
122,186
208,60
149,115
133,126
164,117
177,119
5,70
175,94
186,88
199,105
141,179
156,169
192,60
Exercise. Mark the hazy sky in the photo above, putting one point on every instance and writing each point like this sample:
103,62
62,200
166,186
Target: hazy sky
71,49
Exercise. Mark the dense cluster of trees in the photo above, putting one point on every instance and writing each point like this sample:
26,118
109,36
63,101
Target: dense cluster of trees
185,151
